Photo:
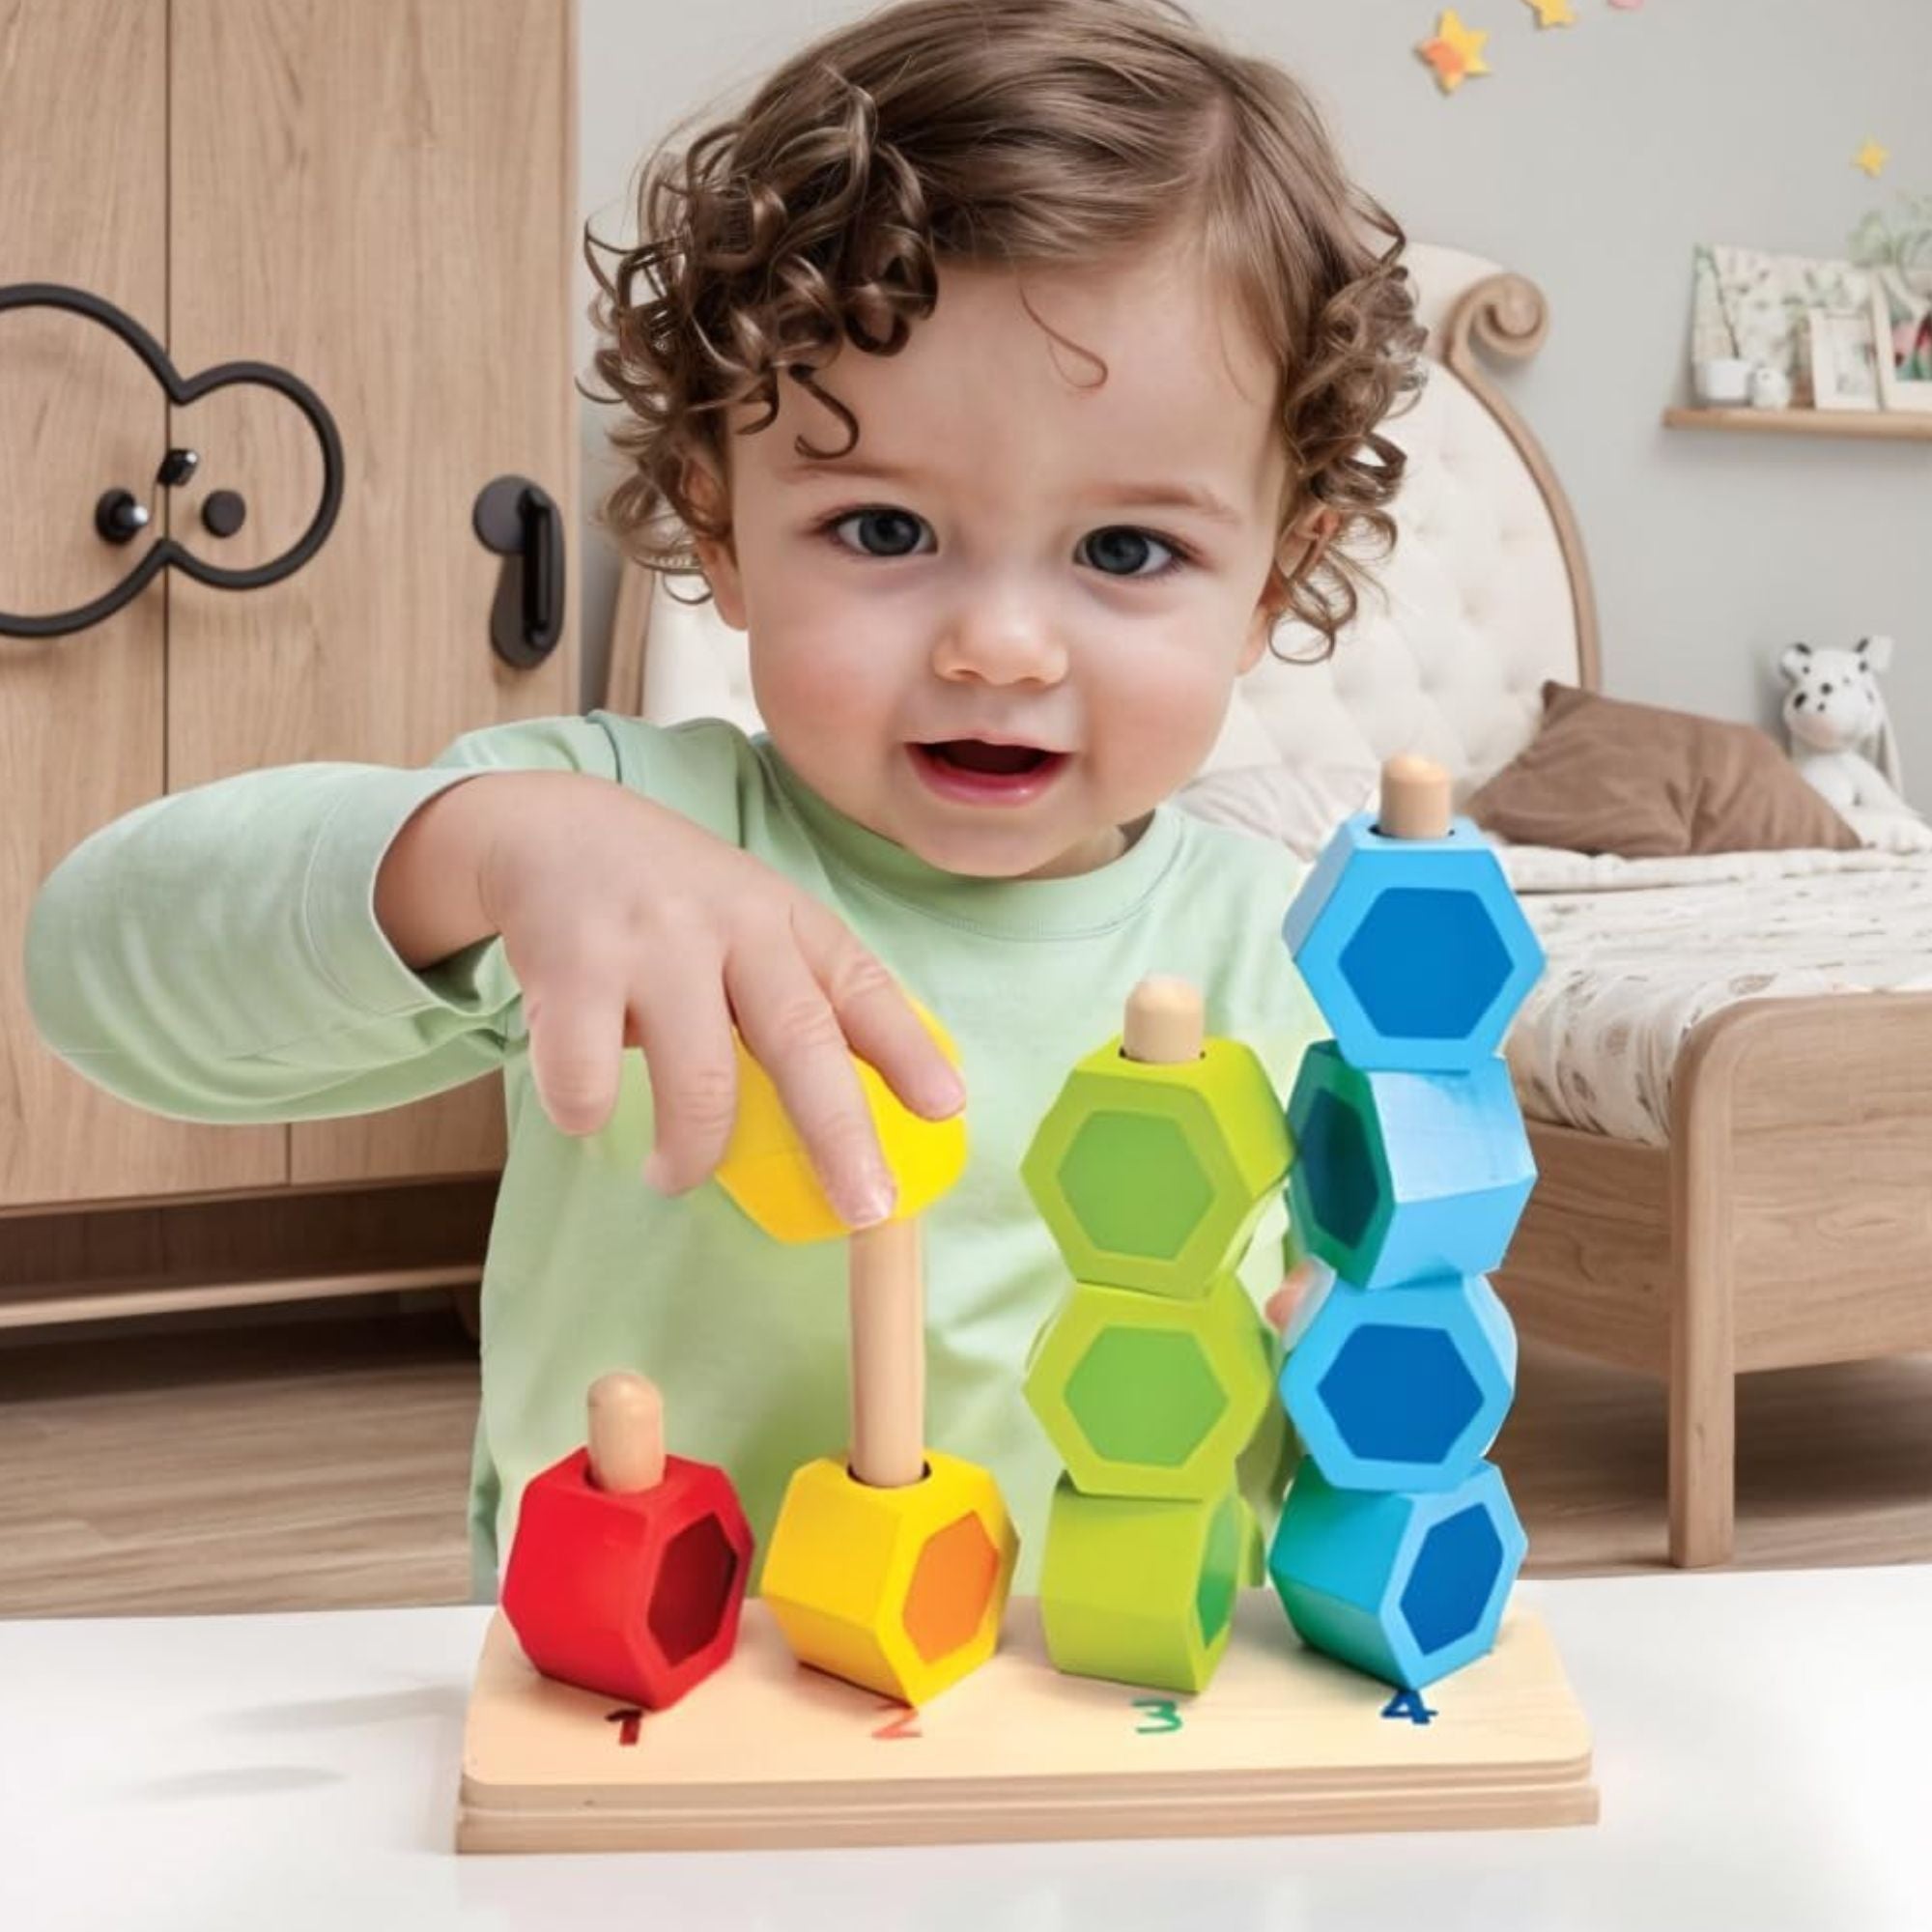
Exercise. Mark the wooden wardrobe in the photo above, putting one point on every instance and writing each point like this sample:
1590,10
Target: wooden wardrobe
379,198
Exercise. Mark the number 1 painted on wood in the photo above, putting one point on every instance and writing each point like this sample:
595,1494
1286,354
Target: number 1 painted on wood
630,1719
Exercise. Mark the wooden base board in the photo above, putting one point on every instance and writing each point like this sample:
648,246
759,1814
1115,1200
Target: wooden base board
767,1754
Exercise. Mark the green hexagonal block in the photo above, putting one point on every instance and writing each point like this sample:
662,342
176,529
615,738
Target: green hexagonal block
1155,1220
1142,1591
1145,1395
1154,1175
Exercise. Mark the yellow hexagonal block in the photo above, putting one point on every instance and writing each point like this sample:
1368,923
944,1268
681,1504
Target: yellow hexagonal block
768,1173
900,1590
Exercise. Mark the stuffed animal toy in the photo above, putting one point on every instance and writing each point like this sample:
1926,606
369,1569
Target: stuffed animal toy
1832,708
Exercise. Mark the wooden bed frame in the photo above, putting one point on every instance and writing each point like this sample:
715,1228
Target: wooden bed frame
1789,1220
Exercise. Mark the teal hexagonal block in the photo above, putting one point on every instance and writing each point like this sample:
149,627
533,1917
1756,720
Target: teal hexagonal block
1405,1587
1401,1388
1398,1175
1414,948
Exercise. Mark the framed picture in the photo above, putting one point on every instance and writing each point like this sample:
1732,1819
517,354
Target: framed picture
1902,322
1843,358
1767,300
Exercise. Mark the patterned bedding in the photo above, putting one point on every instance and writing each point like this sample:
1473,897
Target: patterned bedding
1640,949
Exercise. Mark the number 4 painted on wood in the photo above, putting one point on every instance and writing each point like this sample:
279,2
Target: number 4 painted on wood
1409,1704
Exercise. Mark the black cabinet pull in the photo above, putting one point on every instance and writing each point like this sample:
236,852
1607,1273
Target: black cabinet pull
116,516
517,519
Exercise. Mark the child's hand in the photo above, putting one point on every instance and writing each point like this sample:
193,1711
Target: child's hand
627,924
1280,1306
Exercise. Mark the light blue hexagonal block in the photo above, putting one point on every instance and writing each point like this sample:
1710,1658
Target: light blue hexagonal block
1402,1388
1414,948
1398,1175
1405,1587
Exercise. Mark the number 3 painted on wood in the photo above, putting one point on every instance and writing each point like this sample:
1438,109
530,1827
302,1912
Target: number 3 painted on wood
1161,1711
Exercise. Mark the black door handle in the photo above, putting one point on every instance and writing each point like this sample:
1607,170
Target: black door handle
119,517
517,519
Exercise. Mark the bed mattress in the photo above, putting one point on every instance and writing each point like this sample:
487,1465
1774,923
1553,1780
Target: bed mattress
1640,949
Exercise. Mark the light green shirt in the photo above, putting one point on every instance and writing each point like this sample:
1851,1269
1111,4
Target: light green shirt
214,955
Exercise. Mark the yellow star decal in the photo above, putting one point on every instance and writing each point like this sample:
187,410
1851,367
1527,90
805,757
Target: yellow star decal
1872,158
1455,53
1552,12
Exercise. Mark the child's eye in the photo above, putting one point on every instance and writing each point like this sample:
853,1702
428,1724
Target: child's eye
1123,544
897,529
1118,550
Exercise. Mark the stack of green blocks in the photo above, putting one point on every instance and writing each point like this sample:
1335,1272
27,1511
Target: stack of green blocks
1154,1372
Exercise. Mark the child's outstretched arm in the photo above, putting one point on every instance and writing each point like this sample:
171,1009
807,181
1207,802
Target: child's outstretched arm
316,940
214,955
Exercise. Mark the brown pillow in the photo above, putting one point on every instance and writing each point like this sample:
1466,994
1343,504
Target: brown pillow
1606,776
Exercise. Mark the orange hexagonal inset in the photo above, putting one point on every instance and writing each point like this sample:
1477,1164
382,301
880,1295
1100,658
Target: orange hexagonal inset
955,1575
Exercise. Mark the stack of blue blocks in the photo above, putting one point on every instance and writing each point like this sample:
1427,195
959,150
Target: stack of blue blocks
1398,1545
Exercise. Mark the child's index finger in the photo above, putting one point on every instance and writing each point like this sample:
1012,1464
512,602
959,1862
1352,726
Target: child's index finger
886,1030
885,1025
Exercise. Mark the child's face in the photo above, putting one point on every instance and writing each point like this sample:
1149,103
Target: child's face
994,561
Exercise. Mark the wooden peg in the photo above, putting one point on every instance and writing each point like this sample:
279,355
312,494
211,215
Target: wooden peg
1415,798
1164,1022
888,1315
626,1438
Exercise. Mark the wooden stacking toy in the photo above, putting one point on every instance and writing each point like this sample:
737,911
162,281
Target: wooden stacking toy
1394,1551
890,1568
1151,1168
628,1567
1398,1545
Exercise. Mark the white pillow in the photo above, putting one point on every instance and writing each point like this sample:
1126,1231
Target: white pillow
1296,806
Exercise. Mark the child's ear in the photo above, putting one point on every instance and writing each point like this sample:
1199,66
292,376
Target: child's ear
1315,530
717,555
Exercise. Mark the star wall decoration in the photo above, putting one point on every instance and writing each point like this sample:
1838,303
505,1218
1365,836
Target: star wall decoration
1552,12
1456,53
1872,158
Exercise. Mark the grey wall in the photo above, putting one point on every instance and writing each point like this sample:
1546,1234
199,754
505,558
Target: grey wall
1591,159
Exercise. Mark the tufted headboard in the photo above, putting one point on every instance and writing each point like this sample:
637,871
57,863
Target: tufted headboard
1487,594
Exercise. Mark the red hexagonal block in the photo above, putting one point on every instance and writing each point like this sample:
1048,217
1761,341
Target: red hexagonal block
633,1594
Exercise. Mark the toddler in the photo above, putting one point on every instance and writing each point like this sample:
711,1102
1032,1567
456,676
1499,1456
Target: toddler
1005,368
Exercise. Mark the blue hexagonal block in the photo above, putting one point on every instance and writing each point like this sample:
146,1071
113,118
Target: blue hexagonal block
1398,1175
1414,948
1402,1388
1405,1587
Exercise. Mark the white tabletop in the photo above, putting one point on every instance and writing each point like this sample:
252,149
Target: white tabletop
1762,1747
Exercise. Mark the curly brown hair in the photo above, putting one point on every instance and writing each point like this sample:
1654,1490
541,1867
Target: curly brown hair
1024,133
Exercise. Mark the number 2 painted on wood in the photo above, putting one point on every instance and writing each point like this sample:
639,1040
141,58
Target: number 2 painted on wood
904,1726
1162,1714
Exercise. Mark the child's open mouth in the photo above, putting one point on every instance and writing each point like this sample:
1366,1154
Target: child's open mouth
976,773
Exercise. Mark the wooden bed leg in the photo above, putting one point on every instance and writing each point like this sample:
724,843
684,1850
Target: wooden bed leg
1703,1380
1703,1444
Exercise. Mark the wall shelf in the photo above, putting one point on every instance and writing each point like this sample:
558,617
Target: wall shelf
1888,425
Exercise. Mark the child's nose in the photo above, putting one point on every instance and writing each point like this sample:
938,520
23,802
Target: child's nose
1009,642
